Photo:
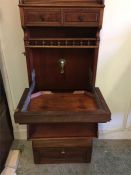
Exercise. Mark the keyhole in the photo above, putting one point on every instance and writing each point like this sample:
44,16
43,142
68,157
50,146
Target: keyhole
62,63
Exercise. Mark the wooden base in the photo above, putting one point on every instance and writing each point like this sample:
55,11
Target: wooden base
63,102
62,142
62,125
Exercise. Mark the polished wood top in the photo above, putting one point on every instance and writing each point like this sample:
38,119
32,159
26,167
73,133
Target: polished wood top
62,102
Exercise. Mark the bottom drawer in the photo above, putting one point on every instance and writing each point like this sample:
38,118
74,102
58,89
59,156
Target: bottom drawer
64,154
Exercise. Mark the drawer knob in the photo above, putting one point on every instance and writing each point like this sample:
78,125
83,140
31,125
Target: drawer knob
80,18
63,152
62,63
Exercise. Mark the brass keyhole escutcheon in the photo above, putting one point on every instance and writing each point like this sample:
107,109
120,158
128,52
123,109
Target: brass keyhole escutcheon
62,63
62,152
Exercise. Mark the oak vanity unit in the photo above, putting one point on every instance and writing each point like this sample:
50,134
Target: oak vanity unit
62,107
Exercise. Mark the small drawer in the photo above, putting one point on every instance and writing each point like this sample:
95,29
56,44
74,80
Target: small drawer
84,17
41,17
62,150
62,155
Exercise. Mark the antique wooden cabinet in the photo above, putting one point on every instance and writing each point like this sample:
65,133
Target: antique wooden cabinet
62,107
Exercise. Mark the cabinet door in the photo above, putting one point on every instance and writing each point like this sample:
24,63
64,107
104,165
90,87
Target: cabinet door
76,73
63,107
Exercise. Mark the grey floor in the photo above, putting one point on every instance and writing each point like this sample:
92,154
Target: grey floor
110,157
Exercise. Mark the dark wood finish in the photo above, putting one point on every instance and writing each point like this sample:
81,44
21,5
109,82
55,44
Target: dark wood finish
48,156
62,155
100,114
62,150
69,142
65,3
42,16
77,68
36,16
62,32
22,100
61,43
49,130
62,102
65,108
6,130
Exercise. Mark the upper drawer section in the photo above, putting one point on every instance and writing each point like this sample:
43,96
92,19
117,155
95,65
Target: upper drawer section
42,16
84,17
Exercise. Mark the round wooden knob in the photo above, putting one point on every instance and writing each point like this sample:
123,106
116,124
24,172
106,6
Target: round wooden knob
80,18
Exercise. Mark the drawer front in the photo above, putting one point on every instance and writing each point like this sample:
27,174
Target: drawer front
60,150
81,17
99,115
62,155
42,17
38,16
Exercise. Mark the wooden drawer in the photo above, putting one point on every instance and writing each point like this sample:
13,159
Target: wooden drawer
38,16
41,17
63,108
62,150
62,155
81,17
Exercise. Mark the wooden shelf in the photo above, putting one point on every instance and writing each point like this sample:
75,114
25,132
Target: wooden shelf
63,102
65,108
62,43
37,131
